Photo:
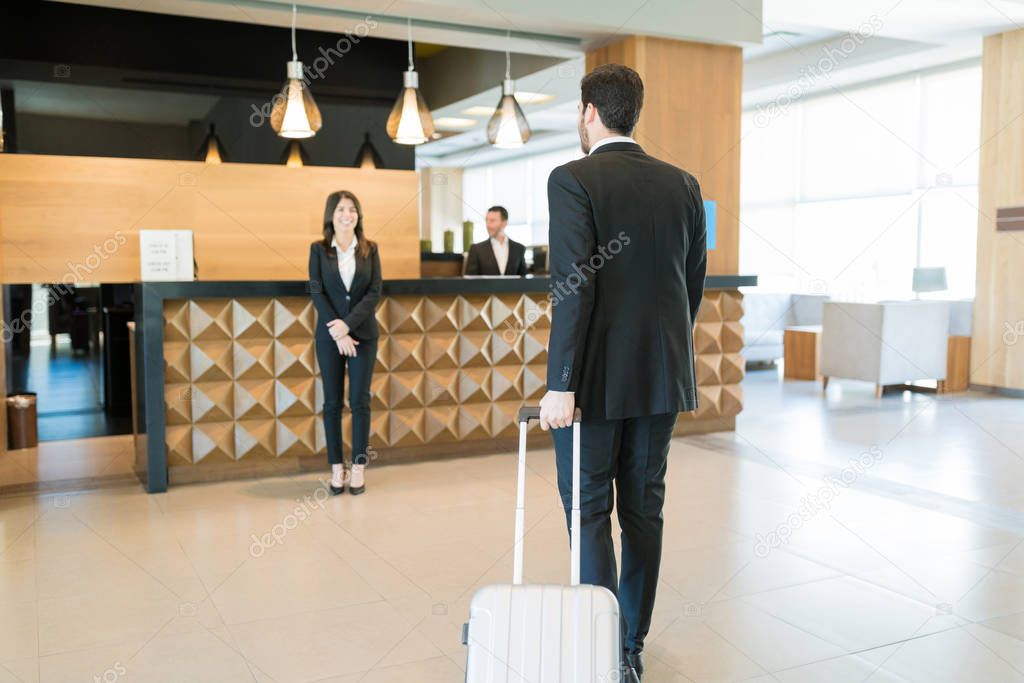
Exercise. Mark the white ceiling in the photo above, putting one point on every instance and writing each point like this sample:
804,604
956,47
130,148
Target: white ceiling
865,40
897,36
556,116
935,21
543,27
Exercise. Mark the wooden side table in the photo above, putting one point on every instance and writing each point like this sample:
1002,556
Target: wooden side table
958,365
801,352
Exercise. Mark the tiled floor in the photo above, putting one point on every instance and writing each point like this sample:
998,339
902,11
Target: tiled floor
905,565
60,465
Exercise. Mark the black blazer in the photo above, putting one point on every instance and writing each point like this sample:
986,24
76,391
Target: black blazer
481,259
628,256
357,305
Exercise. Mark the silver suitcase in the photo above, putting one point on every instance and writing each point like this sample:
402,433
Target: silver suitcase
544,634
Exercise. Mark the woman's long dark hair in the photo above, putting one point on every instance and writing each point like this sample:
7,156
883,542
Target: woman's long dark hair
363,245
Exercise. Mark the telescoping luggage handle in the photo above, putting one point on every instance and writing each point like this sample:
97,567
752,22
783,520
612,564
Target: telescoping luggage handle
527,413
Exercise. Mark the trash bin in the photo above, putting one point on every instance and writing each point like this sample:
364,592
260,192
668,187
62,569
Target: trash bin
22,431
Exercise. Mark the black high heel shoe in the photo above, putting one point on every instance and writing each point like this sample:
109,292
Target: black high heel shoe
336,490
356,490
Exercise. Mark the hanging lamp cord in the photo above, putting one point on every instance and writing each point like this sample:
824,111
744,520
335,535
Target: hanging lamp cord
295,55
409,20
508,55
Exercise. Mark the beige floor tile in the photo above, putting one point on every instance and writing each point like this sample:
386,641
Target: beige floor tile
437,670
777,570
852,614
934,581
17,582
859,668
18,631
198,656
690,647
995,594
767,640
324,643
270,580
262,589
100,619
20,671
955,656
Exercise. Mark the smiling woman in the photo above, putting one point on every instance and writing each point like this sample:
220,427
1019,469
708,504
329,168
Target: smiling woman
345,283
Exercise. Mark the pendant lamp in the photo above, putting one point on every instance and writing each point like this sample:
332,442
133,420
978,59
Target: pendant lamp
212,151
295,114
294,155
368,157
508,128
410,122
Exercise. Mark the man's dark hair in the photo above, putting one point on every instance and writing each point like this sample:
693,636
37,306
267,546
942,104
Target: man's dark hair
500,209
617,92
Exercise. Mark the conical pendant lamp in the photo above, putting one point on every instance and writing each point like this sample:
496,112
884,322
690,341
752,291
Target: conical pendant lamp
508,128
212,150
368,157
294,155
295,114
410,122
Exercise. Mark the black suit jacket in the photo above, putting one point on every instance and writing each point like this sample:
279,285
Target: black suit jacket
357,305
481,259
628,248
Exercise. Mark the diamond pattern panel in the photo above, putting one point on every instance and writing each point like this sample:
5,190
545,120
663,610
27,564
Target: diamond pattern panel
242,380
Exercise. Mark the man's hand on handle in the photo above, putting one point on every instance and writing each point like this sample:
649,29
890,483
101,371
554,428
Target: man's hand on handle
556,409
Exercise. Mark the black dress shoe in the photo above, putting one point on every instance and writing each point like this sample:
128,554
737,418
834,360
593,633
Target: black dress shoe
356,490
634,668
337,490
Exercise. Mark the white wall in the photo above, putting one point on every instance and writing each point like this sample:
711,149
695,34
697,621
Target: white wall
520,185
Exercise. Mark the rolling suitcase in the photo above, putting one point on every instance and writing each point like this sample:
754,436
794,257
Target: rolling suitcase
544,634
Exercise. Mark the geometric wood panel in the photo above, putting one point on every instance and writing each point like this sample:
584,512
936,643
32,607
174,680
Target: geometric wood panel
242,382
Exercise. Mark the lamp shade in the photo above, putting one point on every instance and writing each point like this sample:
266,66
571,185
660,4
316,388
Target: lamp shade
930,280
295,114
367,157
410,122
212,150
508,127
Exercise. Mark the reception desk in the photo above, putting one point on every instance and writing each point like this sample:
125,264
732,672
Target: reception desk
227,383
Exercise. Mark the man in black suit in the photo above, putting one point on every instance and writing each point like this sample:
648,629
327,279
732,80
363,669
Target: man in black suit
497,255
628,258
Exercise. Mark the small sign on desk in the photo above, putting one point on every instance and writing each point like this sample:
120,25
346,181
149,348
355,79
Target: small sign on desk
166,255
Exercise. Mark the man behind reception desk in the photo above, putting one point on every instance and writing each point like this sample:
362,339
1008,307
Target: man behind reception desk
497,255
628,259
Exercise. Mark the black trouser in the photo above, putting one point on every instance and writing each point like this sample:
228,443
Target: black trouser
360,373
633,452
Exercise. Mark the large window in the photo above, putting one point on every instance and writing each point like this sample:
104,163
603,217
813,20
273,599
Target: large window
521,186
848,192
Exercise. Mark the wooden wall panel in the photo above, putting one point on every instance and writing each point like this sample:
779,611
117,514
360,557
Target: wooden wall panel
691,118
997,348
78,217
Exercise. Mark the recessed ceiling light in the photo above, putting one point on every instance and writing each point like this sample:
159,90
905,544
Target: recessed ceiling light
526,97
454,122
478,110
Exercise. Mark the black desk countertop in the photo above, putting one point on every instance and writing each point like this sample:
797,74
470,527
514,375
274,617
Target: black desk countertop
433,285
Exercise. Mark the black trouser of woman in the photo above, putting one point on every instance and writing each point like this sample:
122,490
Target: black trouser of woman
360,374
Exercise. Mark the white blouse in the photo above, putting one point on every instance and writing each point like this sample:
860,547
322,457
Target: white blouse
500,254
346,261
